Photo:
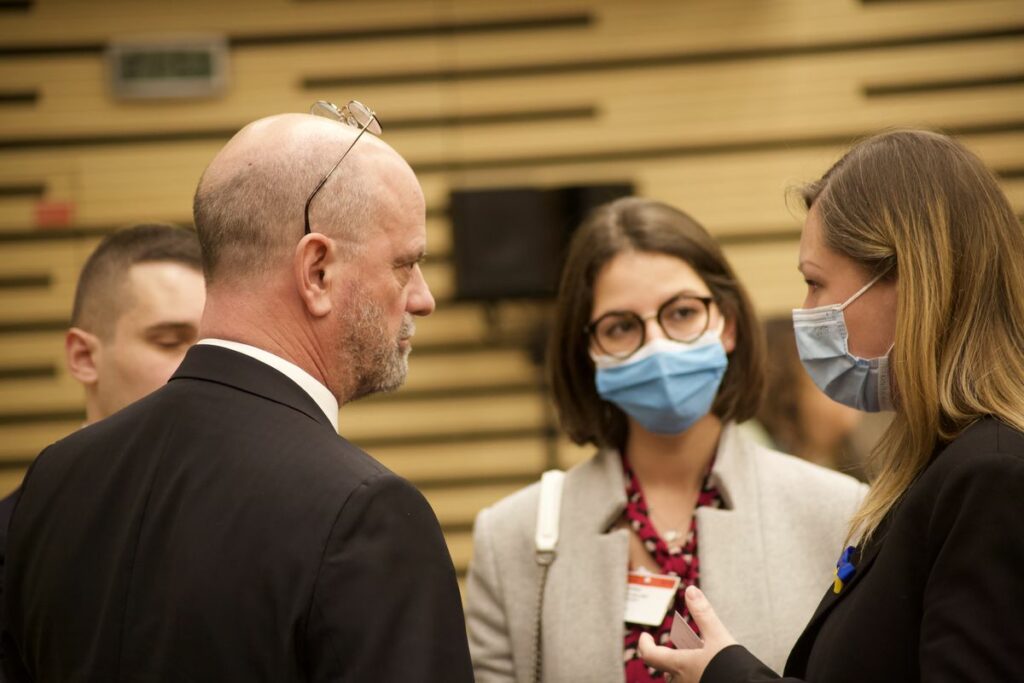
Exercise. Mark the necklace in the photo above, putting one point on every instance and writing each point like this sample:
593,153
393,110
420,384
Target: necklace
671,535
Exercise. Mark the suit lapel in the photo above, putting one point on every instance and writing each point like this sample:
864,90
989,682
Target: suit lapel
732,548
802,648
239,371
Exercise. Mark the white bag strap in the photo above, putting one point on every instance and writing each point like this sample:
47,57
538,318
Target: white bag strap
548,511
549,508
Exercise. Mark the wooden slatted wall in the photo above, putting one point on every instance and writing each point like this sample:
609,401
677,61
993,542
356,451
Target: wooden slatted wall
716,106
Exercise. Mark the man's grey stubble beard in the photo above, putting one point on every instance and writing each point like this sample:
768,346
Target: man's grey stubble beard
379,363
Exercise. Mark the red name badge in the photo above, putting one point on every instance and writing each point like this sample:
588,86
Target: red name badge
649,596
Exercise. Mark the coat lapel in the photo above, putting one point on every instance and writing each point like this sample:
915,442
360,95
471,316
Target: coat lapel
732,549
802,649
585,598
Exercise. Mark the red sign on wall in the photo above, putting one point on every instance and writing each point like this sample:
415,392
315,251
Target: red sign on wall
51,214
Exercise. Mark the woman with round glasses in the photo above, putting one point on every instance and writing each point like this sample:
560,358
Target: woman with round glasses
655,356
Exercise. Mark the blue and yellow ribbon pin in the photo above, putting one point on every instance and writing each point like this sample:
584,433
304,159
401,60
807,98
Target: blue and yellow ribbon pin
844,569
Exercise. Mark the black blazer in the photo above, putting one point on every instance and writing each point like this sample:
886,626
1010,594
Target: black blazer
938,593
219,530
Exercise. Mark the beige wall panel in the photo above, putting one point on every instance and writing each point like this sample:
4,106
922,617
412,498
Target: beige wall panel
730,192
768,271
30,395
450,323
474,460
470,369
782,97
670,114
42,395
380,418
440,277
10,480
439,237
26,349
57,21
658,26
621,28
76,99
465,322
16,213
460,545
1014,190
61,261
570,455
458,506
25,440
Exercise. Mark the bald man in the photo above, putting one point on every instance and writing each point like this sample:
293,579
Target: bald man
219,529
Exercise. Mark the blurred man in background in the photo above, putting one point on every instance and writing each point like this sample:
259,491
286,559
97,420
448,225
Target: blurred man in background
137,309
138,303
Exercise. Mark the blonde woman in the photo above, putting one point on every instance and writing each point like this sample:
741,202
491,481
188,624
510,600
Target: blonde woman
914,262
655,356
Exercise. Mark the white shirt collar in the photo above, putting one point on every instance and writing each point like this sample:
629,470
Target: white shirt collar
317,391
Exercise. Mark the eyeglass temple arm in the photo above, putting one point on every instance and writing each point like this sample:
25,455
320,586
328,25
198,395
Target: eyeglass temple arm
323,181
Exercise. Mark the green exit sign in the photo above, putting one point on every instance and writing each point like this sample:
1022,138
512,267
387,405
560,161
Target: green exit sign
168,67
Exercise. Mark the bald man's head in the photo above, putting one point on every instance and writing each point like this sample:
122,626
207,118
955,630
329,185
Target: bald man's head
249,204
338,302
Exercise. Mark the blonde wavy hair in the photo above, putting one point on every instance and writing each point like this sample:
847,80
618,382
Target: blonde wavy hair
924,208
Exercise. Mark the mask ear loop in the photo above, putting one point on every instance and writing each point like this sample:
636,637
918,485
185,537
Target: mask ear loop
863,289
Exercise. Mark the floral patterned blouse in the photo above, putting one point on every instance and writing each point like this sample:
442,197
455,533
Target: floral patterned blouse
681,561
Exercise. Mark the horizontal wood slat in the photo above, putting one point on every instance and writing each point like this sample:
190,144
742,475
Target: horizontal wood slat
688,99
617,28
730,190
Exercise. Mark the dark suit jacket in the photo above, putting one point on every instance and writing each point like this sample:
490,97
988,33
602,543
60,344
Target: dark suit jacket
938,593
219,530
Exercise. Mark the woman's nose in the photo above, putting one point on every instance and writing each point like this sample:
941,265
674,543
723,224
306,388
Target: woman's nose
652,330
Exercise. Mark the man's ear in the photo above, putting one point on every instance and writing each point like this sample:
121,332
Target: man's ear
316,261
81,351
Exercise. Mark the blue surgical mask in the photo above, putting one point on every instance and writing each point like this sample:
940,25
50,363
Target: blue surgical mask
666,386
822,341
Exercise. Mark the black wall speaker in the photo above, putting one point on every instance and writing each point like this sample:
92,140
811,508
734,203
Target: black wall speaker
510,243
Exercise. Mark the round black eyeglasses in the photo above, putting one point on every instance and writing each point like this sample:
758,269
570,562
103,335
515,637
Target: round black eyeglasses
683,318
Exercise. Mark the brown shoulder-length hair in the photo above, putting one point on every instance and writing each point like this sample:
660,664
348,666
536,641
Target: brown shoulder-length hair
643,225
924,209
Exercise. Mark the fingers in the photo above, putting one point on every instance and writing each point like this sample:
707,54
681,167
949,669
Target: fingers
689,665
704,616
661,658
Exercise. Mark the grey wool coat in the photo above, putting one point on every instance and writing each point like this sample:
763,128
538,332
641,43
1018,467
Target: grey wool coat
766,561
